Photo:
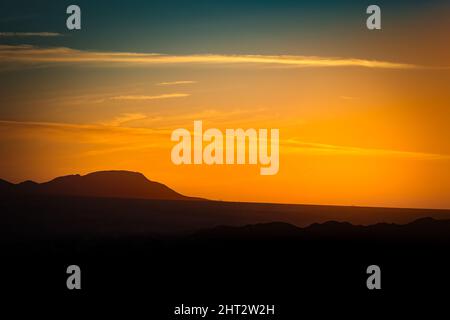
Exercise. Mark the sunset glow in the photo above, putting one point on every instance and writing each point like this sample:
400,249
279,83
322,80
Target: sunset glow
362,122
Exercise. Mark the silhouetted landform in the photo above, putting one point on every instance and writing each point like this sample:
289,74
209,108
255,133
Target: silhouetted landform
4,184
423,229
167,250
28,214
274,261
126,203
114,184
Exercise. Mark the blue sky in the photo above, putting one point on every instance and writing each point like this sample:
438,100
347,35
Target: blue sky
242,27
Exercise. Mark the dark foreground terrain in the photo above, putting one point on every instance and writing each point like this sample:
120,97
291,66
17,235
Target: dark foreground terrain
152,256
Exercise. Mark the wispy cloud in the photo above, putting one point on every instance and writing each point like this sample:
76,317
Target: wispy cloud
348,98
320,148
27,54
174,83
87,139
124,119
114,135
156,97
30,34
107,133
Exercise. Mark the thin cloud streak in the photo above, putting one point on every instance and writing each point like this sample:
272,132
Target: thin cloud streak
174,83
102,133
27,54
30,34
96,128
320,148
88,139
157,97
124,118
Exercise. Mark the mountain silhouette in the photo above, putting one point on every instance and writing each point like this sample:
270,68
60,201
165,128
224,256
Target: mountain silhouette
425,228
124,221
125,202
111,184
5,185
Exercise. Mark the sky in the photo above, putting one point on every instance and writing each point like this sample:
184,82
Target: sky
363,115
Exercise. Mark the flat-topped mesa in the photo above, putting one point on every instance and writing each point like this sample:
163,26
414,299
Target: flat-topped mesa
113,184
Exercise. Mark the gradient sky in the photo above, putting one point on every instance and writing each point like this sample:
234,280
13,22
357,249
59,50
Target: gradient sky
363,115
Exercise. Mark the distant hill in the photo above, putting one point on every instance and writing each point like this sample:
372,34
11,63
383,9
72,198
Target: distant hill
5,185
124,202
111,224
421,229
111,184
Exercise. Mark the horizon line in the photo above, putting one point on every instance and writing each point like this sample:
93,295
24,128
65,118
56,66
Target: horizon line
232,201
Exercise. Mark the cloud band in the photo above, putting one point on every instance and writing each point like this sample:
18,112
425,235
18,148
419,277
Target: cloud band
27,54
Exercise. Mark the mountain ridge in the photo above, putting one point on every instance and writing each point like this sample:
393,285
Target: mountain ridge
107,183
426,228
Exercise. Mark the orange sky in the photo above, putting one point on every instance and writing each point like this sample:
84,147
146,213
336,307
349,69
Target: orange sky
353,130
349,135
